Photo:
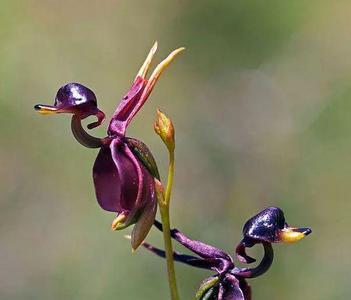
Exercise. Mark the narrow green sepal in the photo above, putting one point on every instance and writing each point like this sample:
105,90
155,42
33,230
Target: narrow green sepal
207,288
209,295
144,155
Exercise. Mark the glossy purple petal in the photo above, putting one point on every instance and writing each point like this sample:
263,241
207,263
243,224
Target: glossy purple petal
270,226
124,185
230,289
106,181
265,226
246,289
74,98
74,95
116,178
130,175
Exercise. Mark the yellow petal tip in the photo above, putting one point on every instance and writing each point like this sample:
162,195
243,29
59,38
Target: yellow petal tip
146,65
118,222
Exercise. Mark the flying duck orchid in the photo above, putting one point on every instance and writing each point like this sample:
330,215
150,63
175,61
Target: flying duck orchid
124,170
229,282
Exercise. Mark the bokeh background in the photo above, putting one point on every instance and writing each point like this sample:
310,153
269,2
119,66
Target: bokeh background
261,101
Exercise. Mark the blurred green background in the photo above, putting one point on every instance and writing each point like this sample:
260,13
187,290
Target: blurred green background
261,102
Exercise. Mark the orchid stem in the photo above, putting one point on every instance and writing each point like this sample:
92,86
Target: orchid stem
164,203
170,178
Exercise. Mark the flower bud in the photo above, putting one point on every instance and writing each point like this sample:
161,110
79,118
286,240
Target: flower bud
163,126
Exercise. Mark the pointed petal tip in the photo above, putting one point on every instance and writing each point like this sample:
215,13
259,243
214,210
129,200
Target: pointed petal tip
307,231
178,50
245,259
161,67
143,226
134,245
146,65
154,47
129,237
171,56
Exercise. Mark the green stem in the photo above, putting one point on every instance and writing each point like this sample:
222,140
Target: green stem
164,201
170,178
169,253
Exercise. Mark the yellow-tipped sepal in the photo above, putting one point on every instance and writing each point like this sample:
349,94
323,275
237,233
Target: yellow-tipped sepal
158,70
146,65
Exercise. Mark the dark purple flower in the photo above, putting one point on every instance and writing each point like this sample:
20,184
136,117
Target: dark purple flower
229,281
269,226
124,169
226,287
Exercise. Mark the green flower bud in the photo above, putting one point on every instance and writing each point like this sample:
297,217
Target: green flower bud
164,128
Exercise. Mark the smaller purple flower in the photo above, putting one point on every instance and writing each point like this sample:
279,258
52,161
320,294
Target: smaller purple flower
229,282
124,170
269,226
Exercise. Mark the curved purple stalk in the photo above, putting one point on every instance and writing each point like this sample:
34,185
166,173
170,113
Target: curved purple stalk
82,136
261,268
217,259
200,248
180,257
